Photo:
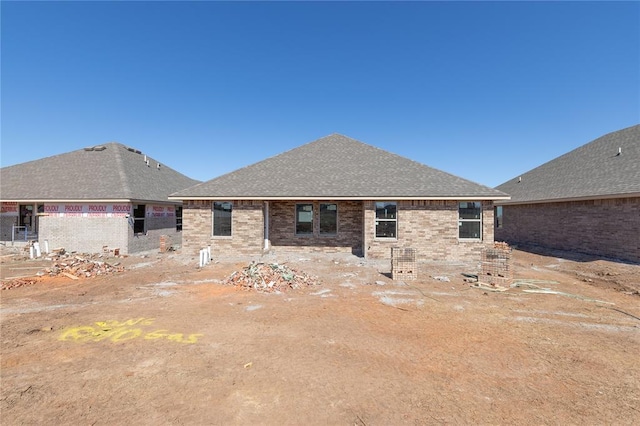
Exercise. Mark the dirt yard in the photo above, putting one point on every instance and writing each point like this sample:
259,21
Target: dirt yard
166,342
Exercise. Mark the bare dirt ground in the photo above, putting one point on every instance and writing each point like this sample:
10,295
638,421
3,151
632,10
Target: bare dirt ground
166,342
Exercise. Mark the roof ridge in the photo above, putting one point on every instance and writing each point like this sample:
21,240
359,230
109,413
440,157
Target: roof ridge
122,172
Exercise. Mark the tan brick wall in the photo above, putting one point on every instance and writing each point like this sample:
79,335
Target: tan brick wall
431,227
247,228
282,228
608,228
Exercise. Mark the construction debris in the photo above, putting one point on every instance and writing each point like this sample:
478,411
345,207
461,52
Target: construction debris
86,266
403,263
71,266
496,265
18,282
270,277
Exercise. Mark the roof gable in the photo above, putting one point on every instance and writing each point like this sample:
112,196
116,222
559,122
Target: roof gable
105,172
337,167
593,170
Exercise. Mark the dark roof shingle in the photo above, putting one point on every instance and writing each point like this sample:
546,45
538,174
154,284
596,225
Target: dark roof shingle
338,167
105,172
593,170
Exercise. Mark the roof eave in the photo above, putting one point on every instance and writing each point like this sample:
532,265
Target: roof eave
355,198
80,200
567,199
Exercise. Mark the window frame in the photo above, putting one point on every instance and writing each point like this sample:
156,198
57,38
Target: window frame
388,220
296,211
178,212
213,219
335,231
470,220
499,217
137,219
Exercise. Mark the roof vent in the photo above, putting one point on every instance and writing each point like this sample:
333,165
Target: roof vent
619,151
158,166
96,148
519,179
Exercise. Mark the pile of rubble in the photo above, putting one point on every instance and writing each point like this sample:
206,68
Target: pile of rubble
86,266
68,265
501,245
18,282
271,277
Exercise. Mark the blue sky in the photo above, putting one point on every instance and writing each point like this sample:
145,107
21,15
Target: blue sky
483,90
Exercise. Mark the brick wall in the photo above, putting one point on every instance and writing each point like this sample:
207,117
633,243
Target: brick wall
84,234
155,228
91,234
431,227
247,228
6,226
282,228
608,228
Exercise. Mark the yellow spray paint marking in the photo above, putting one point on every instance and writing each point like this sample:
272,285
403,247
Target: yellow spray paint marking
116,331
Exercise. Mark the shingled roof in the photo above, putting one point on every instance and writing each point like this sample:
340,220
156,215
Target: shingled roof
338,167
595,170
106,172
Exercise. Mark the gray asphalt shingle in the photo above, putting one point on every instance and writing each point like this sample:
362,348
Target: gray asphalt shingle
115,172
340,167
593,170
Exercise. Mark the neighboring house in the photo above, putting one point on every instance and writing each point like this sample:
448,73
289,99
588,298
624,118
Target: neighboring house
586,201
339,195
102,197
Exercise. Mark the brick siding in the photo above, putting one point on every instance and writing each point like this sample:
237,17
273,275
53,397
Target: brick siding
84,234
155,228
431,227
247,228
348,238
6,226
92,234
608,228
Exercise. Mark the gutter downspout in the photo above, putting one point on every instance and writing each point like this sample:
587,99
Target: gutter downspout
266,225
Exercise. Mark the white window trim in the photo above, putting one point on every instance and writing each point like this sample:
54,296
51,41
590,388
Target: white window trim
480,220
375,219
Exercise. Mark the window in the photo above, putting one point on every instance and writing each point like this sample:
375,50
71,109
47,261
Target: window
328,219
178,218
498,215
470,220
304,219
386,219
222,219
138,218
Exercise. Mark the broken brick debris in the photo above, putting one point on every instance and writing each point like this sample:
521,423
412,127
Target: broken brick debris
18,282
72,266
84,266
270,277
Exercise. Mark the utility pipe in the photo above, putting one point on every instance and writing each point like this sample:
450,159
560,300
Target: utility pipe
266,225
